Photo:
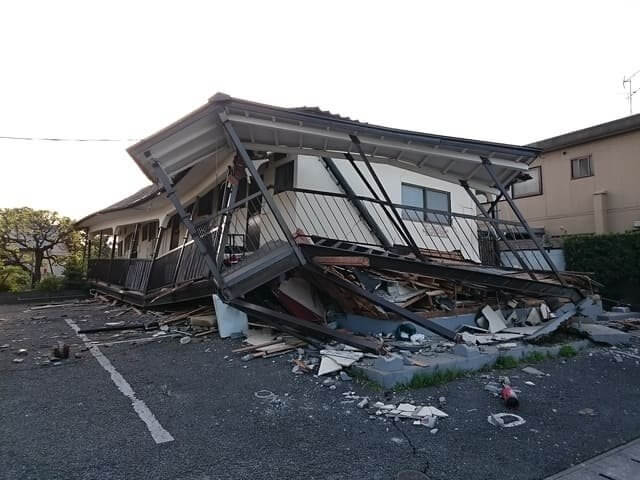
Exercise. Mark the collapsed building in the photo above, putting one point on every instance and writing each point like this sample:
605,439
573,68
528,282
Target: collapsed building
298,217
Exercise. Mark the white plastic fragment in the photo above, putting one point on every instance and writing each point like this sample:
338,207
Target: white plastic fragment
498,420
328,365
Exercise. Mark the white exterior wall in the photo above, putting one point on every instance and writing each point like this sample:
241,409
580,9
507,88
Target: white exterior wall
331,217
312,174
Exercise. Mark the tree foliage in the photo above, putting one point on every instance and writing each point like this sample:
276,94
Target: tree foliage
614,260
13,279
29,238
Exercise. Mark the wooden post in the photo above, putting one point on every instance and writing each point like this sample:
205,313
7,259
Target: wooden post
156,250
184,242
113,254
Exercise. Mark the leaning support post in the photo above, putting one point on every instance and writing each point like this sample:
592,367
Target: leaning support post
203,247
113,253
156,250
184,243
412,243
230,194
373,192
362,210
497,231
489,168
244,155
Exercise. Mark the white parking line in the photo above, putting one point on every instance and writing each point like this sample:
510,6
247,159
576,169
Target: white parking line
159,434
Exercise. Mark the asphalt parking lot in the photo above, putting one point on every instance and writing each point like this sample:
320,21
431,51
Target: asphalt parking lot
76,420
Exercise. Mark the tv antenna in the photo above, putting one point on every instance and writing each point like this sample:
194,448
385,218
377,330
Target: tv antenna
632,92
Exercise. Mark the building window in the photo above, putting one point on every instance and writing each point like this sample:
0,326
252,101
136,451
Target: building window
205,204
581,167
530,187
426,198
284,178
153,230
175,232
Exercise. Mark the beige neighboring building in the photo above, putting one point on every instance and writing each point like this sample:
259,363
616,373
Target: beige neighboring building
587,181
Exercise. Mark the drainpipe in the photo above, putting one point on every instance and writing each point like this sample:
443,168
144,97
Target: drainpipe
600,212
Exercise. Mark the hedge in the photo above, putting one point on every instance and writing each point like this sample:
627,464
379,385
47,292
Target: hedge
614,260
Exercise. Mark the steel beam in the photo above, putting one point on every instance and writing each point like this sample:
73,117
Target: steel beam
244,155
205,248
497,231
229,198
351,194
469,275
305,326
489,168
403,227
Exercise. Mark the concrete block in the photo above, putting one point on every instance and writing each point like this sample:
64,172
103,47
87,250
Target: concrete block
465,350
389,363
591,307
603,334
613,316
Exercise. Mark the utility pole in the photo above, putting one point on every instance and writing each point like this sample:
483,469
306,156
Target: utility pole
632,92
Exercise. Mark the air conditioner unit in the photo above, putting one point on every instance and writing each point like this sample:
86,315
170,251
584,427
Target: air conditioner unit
636,224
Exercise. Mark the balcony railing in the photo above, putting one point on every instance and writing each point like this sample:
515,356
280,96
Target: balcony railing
250,230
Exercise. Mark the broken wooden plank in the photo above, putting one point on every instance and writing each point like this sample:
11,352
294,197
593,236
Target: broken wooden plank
206,332
355,261
256,347
313,329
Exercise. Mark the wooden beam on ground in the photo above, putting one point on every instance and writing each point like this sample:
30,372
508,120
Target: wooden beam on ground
309,328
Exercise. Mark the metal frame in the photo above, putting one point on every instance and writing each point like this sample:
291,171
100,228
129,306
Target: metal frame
379,259
229,198
244,155
410,241
489,168
362,210
496,231
204,248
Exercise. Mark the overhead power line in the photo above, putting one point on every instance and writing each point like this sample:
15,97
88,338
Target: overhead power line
53,139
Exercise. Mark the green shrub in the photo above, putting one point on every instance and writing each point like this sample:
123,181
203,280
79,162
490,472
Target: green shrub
567,351
431,380
506,362
14,279
50,284
614,260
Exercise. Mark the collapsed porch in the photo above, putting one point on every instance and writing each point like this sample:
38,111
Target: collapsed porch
261,232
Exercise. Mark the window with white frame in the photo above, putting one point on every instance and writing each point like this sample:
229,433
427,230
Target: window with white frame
530,187
426,198
581,167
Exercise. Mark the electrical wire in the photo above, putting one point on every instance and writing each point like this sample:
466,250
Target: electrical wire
54,139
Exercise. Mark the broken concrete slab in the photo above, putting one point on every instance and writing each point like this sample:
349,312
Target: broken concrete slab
494,318
564,314
344,358
603,334
533,318
328,365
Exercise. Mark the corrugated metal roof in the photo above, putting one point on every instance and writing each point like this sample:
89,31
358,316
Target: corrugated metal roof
200,137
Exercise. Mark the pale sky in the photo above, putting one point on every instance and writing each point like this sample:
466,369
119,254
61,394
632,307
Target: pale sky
512,72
